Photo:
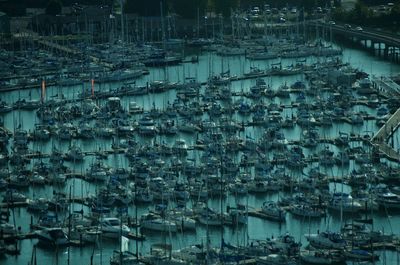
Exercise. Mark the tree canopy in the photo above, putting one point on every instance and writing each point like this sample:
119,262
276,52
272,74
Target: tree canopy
53,7
224,7
143,8
187,9
363,15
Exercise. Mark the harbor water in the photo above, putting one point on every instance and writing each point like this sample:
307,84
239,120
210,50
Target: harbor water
209,63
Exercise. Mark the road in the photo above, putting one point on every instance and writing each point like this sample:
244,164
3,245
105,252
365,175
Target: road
365,33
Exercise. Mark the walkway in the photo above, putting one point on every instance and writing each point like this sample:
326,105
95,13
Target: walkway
386,84
45,41
74,52
384,133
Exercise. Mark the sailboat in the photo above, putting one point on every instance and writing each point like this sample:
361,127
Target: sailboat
321,257
124,256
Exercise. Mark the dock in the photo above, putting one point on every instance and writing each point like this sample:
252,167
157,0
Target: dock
257,213
387,86
382,136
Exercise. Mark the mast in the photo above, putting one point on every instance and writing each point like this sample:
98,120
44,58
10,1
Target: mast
122,20
69,227
120,240
198,23
136,222
162,26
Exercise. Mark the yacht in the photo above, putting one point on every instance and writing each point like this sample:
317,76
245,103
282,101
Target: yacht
98,172
74,154
195,254
180,147
183,222
134,108
4,107
327,240
38,205
147,126
124,258
321,257
360,255
344,202
305,210
275,259
52,237
154,222
388,200
272,211
111,227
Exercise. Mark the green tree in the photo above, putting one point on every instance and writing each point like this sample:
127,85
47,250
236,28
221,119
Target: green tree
187,8
395,16
36,3
224,7
144,7
308,5
339,14
53,7
360,13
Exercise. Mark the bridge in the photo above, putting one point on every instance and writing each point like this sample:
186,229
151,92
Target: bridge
386,43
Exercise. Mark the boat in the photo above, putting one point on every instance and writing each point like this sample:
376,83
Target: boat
182,222
180,147
162,61
360,255
119,75
98,172
3,249
328,240
143,196
52,237
124,258
111,227
254,72
196,254
272,211
231,51
262,55
344,202
7,230
12,196
4,107
134,108
209,217
388,200
364,87
37,179
38,205
276,259
154,222
147,126
74,154
305,210
321,257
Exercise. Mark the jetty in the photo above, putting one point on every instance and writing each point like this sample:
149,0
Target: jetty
382,136
387,86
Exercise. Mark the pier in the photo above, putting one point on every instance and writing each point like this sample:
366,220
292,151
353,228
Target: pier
387,85
383,135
